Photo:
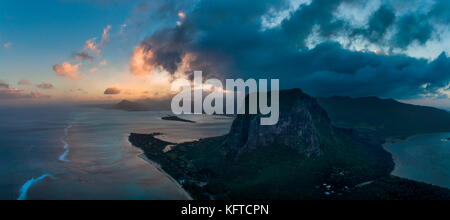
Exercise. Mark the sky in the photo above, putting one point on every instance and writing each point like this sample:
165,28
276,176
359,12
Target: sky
96,50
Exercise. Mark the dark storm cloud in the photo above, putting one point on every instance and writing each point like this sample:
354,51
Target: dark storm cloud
168,47
413,28
15,94
331,70
440,11
45,86
379,23
82,56
4,85
319,13
228,39
112,91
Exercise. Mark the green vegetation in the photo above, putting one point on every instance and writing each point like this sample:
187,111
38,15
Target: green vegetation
394,188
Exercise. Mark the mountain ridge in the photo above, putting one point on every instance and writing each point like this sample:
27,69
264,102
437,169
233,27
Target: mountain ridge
386,117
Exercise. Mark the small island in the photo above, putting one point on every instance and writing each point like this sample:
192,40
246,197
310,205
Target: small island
175,118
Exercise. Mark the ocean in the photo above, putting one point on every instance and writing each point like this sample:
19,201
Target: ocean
424,158
84,153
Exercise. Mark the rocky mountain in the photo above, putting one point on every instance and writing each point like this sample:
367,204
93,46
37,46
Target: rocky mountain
301,123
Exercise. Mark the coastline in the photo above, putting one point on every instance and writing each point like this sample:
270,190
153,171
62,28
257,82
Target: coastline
384,188
389,142
159,168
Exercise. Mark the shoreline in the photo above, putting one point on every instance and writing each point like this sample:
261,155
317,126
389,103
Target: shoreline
390,142
159,168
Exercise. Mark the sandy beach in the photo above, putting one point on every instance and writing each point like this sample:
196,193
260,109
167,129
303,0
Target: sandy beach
158,166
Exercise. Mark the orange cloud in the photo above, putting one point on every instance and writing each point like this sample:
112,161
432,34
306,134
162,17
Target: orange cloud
97,48
103,63
92,46
105,35
142,62
181,15
67,70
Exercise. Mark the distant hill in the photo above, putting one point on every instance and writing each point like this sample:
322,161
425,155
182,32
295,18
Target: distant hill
387,117
302,157
130,106
136,106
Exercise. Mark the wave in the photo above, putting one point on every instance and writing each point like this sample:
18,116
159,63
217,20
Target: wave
24,189
63,140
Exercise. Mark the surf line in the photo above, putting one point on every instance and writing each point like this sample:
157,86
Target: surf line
23,192
66,145
26,187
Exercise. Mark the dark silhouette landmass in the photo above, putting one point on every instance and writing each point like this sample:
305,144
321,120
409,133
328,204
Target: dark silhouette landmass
386,117
130,106
304,156
176,118
135,106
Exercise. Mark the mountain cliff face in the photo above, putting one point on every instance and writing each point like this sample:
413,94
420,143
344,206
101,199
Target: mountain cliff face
302,122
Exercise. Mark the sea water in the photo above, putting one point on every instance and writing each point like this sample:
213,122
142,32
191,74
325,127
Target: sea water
84,153
424,158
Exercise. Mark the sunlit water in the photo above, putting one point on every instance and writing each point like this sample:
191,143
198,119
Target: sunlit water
424,158
84,153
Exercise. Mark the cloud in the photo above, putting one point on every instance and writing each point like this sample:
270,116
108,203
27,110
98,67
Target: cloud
14,94
112,91
82,56
4,85
7,45
329,69
182,15
105,35
141,62
412,28
102,3
95,47
92,46
230,41
440,12
67,70
24,82
71,70
45,86
103,63
378,25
